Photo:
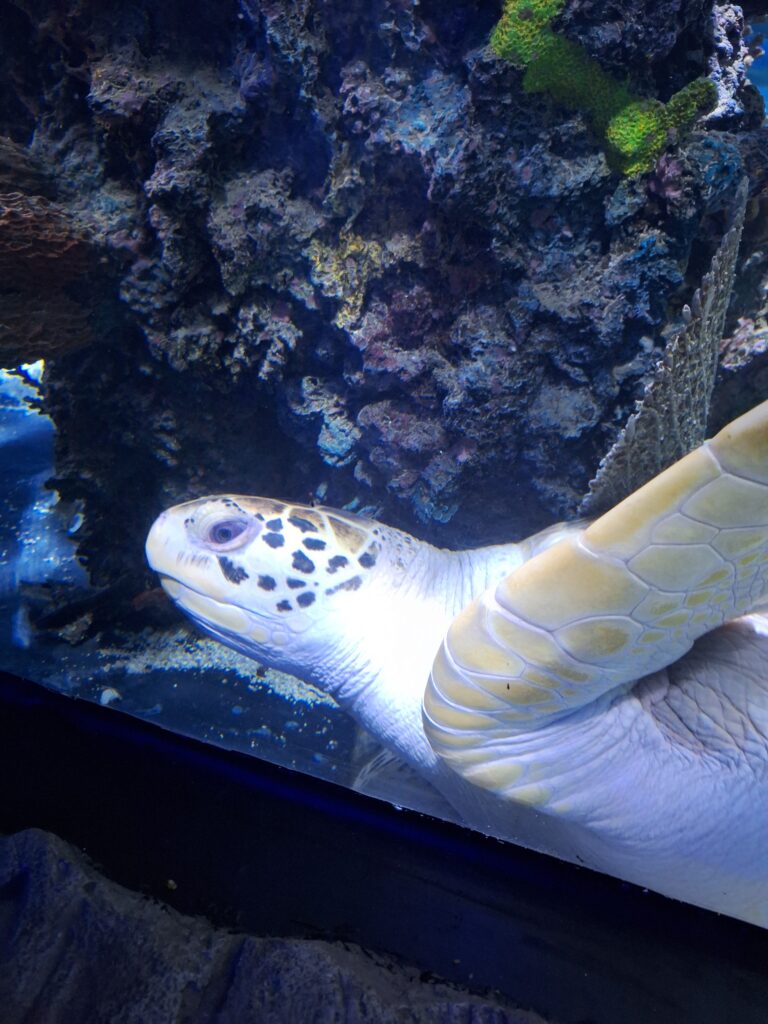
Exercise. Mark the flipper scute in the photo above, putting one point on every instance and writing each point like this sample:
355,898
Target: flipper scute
599,610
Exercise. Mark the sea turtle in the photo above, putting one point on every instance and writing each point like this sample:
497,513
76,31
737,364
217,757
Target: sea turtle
598,690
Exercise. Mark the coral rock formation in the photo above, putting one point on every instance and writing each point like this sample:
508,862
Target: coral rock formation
357,260
41,252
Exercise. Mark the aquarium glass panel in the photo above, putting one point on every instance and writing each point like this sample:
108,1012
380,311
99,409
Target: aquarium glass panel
359,365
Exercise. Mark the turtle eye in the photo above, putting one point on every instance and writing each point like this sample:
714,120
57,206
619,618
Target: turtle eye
225,531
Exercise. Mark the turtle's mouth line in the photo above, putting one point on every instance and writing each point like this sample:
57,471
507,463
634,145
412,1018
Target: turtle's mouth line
177,590
247,631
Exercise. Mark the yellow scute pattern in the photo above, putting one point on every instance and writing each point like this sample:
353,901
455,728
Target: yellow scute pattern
474,650
627,528
566,583
730,502
455,689
676,568
597,640
742,446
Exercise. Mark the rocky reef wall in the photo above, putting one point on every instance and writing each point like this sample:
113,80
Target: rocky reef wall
345,256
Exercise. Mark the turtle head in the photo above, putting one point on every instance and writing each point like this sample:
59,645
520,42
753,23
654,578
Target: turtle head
278,582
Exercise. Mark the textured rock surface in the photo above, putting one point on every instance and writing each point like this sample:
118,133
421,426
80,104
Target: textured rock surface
356,261
77,947
673,414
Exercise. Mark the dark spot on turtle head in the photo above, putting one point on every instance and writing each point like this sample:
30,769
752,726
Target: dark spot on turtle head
336,563
267,582
275,524
260,516
314,544
275,540
302,524
233,573
368,560
302,563
351,584
306,599
284,606
294,584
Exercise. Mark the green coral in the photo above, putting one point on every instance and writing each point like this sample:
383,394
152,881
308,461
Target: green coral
564,71
688,104
635,130
517,36
636,135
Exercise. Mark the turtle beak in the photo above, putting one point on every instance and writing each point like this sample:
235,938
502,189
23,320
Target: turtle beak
168,552
164,544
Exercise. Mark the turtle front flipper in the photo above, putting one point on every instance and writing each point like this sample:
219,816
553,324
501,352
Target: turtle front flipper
583,620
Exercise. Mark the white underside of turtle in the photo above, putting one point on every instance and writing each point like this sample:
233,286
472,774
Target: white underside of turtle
599,691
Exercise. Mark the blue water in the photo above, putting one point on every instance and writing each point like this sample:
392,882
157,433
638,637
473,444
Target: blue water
758,73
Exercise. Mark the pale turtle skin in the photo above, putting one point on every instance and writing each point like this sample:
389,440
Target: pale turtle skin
599,690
